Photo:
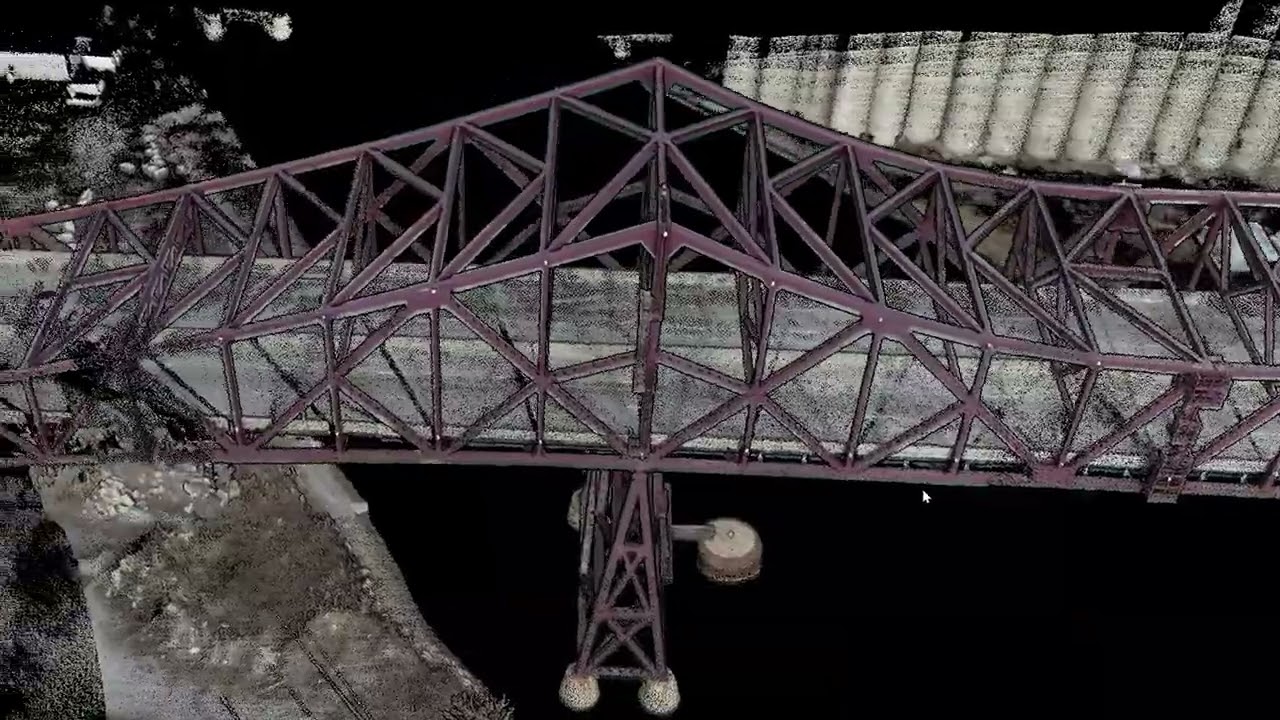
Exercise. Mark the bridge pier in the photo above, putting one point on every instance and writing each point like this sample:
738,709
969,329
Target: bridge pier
624,522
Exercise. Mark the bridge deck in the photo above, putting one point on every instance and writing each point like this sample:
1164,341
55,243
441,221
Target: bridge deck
594,316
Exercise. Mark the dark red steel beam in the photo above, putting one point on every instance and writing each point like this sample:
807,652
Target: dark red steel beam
857,265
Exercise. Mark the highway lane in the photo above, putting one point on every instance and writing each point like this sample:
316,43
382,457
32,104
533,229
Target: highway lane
590,304
594,316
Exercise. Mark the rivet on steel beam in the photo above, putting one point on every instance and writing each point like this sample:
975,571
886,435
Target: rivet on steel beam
665,233
773,283
433,291
879,319
545,263
1098,363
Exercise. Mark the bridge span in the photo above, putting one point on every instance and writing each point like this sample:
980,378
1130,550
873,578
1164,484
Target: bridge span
594,317
1123,323
602,279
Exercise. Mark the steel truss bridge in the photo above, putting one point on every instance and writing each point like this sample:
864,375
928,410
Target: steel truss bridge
602,277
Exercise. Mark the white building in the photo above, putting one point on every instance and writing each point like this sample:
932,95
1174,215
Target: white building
84,75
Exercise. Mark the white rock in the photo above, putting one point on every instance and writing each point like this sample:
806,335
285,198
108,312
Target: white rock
280,28
68,227
86,197
67,239
128,168
51,205
152,151
149,138
214,28
161,174
1130,170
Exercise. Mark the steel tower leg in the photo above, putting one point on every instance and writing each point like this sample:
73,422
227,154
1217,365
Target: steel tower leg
623,565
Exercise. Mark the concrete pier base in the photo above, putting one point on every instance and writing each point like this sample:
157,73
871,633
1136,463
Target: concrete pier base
579,692
660,697
732,555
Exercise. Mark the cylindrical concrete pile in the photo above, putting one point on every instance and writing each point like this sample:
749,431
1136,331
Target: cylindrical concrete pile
733,554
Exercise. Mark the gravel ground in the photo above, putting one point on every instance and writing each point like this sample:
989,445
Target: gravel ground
207,595
210,592
48,661
151,115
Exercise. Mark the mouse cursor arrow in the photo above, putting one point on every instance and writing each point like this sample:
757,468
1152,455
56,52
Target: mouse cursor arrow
926,496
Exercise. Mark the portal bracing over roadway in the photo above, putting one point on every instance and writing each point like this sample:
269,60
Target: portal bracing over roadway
611,277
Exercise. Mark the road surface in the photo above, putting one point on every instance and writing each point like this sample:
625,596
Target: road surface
594,316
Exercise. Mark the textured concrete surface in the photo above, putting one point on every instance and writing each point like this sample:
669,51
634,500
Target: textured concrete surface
593,316
1196,106
228,594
